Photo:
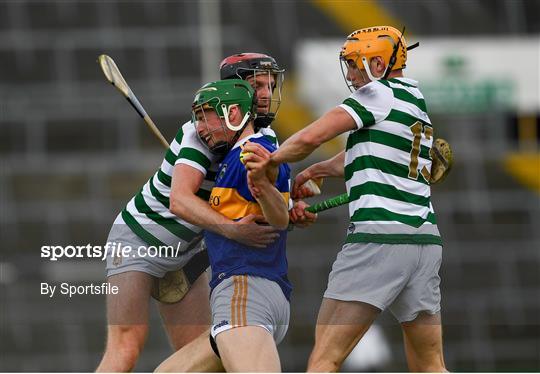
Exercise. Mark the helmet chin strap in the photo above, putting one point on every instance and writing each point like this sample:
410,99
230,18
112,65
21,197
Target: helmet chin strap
368,71
231,127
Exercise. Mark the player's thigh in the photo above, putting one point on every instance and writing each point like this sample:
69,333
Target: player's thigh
131,274
127,318
371,273
423,343
190,317
248,349
422,292
197,356
245,300
130,305
340,325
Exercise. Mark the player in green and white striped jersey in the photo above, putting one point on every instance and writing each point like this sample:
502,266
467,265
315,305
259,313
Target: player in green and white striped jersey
392,253
148,213
162,214
387,165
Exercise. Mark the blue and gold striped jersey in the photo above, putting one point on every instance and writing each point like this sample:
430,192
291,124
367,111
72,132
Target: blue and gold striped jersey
231,197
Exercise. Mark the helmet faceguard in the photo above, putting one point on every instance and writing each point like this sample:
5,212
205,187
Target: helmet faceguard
384,41
258,69
220,97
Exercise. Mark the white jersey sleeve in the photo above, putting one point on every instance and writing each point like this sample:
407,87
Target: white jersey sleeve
369,105
192,151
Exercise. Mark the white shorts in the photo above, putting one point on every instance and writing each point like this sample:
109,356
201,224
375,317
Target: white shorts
401,277
245,300
192,261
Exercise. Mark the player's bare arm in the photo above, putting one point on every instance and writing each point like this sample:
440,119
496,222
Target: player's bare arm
273,205
304,142
254,160
187,205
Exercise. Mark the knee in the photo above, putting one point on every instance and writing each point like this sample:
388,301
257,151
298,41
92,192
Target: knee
126,343
323,365
430,368
427,365
328,361
182,335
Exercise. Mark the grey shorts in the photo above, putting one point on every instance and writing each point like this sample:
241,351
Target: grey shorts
153,265
401,277
245,300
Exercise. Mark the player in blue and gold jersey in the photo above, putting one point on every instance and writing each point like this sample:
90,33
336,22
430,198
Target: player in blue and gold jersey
250,288
223,115
232,198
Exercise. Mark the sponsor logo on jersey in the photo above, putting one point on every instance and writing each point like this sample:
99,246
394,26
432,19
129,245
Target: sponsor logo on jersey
221,173
221,324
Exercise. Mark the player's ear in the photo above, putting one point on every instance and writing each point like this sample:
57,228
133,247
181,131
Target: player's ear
235,116
380,65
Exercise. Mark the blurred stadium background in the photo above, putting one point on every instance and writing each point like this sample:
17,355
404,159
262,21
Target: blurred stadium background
73,153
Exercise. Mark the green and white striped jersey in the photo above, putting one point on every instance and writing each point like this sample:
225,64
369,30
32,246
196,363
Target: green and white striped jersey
147,213
387,165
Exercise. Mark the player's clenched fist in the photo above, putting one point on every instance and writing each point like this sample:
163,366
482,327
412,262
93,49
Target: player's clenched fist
304,186
299,216
256,159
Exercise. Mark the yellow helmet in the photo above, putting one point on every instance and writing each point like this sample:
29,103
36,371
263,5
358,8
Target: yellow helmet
384,41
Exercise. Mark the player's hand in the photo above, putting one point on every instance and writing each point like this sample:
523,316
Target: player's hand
248,232
300,217
258,161
299,190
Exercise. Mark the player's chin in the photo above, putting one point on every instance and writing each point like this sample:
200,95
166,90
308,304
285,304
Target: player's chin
218,147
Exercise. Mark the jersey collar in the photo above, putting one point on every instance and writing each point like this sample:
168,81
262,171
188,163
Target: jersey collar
408,81
243,140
